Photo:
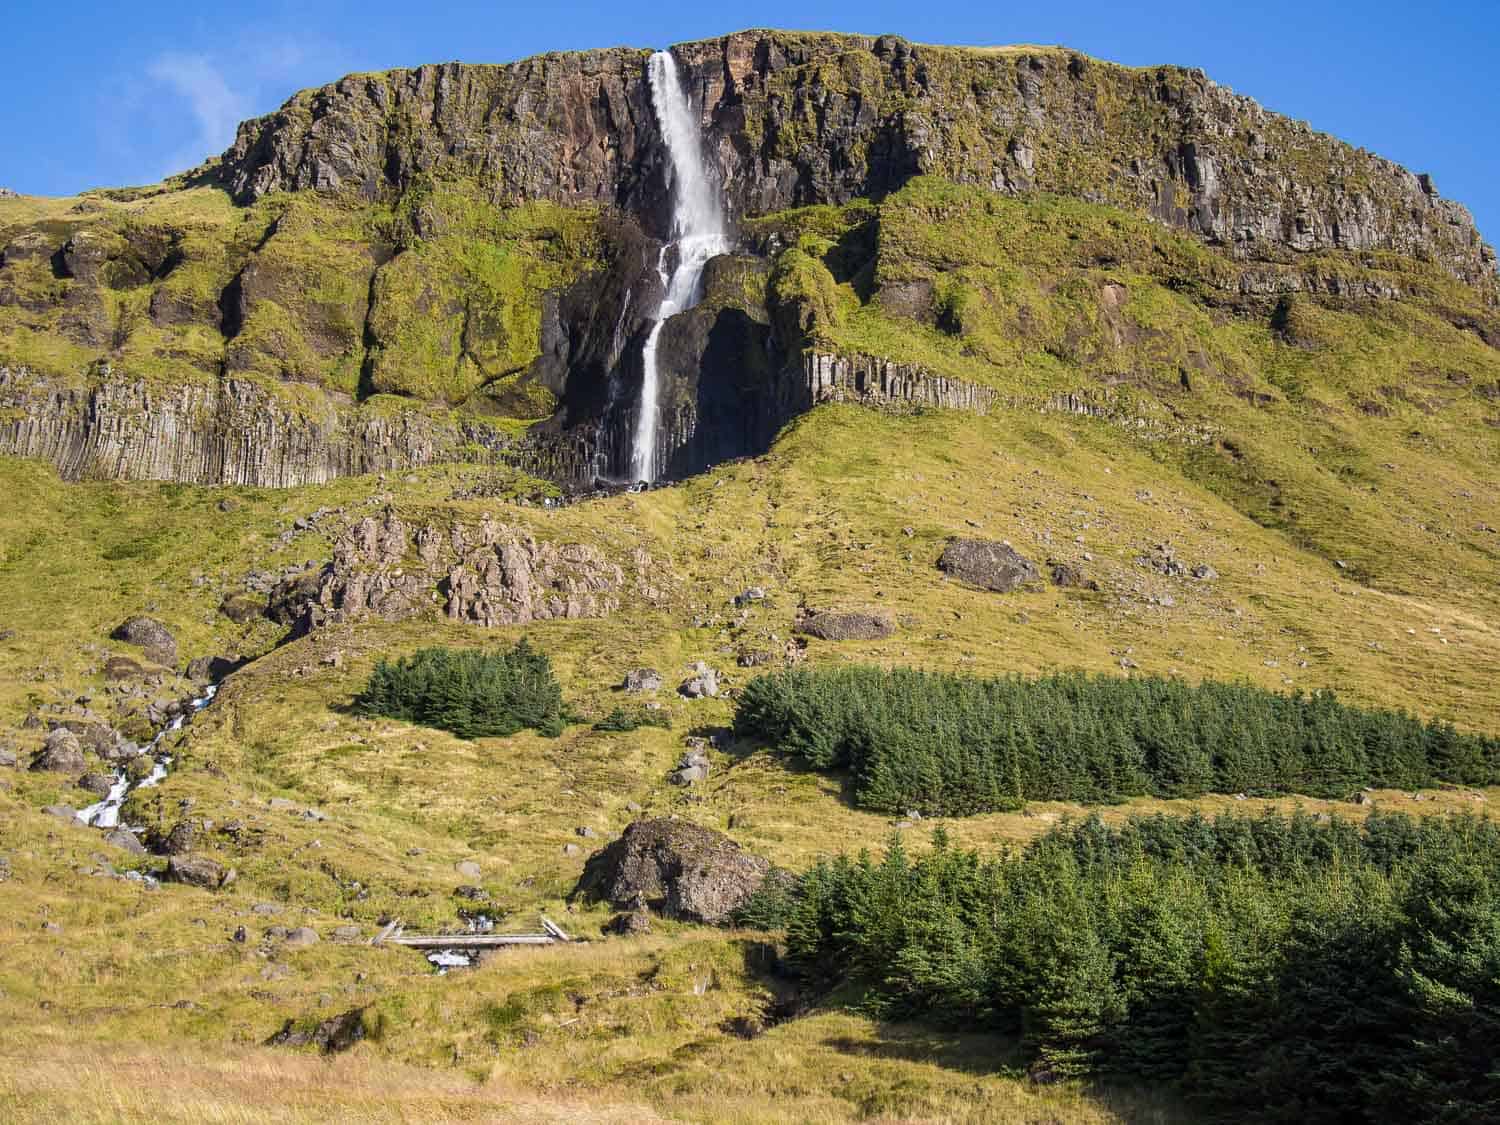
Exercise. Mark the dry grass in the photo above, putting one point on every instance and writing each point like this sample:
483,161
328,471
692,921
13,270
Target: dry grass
48,1081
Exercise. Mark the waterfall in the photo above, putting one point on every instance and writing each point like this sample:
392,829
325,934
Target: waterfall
697,236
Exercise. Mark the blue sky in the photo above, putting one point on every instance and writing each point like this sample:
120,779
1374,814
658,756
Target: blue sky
98,93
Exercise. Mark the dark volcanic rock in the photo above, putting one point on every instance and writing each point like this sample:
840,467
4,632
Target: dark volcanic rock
682,870
122,668
151,637
195,871
847,626
61,753
988,565
242,608
330,1036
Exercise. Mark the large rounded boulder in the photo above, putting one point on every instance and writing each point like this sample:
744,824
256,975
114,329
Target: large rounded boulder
151,637
679,869
988,565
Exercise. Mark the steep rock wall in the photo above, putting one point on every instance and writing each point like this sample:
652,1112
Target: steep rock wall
229,431
796,119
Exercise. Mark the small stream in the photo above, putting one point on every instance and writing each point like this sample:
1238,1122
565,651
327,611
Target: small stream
445,959
106,813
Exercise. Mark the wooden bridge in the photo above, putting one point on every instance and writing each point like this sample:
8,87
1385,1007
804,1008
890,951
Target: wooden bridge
393,935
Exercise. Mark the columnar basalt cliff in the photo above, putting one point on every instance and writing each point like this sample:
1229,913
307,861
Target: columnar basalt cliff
462,261
223,432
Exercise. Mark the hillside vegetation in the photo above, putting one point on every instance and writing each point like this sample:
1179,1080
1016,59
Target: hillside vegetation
1209,792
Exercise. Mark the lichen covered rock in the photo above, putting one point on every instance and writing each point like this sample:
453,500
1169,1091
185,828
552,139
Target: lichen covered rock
680,869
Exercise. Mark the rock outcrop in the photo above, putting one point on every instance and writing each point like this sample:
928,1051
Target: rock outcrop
794,119
677,868
846,625
990,566
61,753
488,574
309,344
151,637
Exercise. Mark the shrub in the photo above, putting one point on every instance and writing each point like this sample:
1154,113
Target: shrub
1271,968
954,745
469,693
623,720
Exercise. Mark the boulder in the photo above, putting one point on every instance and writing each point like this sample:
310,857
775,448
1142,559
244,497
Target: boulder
1204,573
642,680
212,669
331,1036
195,871
61,753
151,637
242,608
688,775
7,757
702,684
302,936
988,565
847,625
125,840
99,784
118,668
180,840
680,869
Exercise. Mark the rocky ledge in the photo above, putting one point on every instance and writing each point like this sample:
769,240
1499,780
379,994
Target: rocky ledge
489,574
794,119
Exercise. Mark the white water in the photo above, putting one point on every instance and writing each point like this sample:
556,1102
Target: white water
106,813
697,236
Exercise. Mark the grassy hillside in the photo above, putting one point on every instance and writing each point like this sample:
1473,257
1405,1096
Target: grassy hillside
850,509
1321,432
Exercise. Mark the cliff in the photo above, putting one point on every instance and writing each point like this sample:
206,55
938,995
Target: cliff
455,260
798,119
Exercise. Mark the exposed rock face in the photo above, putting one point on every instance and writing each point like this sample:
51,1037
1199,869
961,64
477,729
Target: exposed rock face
330,1036
677,868
195,871
151,637
61,753
229,431
834,625
291,390
489,574
990,566
795,119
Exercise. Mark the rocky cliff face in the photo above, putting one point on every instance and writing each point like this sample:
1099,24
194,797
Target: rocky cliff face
222,432
417,265
485,573
797,119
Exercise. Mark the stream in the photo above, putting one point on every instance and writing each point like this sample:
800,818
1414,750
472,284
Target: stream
106,813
